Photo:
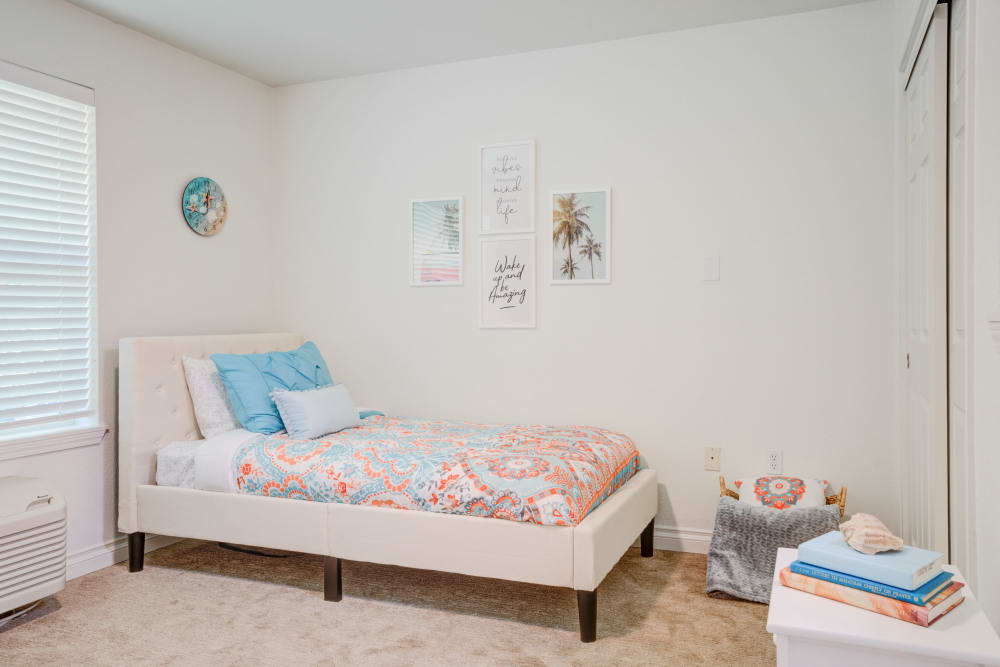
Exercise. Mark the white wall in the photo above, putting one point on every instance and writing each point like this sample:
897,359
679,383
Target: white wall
163,117
769,142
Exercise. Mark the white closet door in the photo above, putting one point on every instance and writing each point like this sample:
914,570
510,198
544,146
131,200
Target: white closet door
960,281
925,402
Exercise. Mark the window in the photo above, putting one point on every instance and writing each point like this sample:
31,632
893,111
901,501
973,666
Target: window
47,249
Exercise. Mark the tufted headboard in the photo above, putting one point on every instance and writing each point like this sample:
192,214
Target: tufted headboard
154,407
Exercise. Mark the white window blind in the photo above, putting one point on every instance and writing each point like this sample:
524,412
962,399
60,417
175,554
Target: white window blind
47,258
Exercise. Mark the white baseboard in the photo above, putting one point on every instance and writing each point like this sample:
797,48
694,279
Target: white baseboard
99,556
672,538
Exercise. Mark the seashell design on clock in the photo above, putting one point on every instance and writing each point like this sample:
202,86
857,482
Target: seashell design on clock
204,206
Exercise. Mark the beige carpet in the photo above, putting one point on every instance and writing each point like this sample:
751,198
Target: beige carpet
198,604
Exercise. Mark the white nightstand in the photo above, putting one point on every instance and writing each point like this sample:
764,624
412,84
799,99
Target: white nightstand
810,630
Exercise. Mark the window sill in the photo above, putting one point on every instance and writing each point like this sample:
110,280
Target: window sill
52,440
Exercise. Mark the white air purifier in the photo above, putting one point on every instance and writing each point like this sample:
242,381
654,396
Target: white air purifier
32,541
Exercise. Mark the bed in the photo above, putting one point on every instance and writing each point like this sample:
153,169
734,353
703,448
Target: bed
543,547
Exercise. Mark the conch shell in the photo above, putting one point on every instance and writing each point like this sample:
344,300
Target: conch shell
867,534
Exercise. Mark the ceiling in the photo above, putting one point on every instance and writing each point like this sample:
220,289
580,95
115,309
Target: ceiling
282,42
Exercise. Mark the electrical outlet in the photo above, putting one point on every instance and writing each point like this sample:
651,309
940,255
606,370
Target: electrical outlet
774,461
713,457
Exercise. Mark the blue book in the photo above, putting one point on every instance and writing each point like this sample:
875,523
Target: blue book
919,597
908,569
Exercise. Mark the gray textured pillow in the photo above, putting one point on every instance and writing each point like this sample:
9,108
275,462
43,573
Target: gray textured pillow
212,409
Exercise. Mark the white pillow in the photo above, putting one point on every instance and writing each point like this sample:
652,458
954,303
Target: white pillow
311,413
782,491
212,408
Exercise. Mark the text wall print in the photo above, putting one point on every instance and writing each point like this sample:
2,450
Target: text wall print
507,177
507,284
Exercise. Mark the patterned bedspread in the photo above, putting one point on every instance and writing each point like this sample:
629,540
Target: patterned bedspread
536,474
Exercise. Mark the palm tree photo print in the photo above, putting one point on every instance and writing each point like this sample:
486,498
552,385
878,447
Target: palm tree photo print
581,224
436,242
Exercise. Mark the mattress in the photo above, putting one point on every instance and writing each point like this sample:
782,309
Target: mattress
534,474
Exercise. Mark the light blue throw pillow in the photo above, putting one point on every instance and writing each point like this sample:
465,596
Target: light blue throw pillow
250,379
316,412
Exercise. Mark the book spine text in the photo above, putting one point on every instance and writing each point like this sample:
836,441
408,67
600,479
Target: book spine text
857,582
856,598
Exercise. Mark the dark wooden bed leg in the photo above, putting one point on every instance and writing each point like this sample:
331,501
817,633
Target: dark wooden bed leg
332,581
587,603
646,540
136,548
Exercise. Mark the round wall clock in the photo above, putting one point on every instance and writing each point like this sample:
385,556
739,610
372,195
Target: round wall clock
204,206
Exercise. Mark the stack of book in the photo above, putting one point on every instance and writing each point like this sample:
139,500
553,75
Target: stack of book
910,585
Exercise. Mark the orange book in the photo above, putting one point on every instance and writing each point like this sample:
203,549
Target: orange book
950,597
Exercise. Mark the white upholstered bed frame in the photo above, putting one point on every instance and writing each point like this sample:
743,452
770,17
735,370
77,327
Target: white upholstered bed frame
155,409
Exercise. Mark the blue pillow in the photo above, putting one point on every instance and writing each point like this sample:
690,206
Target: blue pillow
250,379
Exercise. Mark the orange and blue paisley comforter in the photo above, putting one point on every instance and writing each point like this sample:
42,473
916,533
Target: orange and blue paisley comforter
536,474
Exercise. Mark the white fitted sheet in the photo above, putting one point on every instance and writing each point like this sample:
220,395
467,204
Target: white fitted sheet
201,464
175,463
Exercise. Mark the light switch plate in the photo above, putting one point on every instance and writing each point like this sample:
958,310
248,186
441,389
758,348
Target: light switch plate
713,456
710,269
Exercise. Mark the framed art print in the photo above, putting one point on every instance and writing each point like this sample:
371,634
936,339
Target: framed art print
436,242
507,283
581,237
507,181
